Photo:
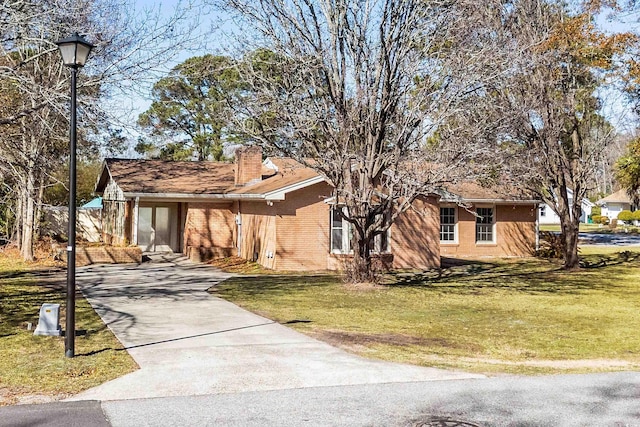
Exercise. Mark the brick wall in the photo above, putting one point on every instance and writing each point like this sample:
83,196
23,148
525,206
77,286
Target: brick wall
303,229
258,240
209,231
514,233
248,165
415,236
288,235
107,255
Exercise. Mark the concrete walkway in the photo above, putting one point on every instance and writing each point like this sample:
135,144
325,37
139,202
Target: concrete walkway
188,342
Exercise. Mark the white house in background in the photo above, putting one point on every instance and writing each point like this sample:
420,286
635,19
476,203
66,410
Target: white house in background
614,203
548,216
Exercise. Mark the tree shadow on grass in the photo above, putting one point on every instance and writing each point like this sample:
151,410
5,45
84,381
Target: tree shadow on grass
272,284
529,275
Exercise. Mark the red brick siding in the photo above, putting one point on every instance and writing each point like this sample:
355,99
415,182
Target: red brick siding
248,165
107,255
209,230
514,229
303,229
415,236
258,240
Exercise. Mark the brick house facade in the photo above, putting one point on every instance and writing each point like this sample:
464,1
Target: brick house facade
277,213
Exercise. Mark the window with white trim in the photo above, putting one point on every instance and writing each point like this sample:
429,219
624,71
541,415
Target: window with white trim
341,233
484,225
448,224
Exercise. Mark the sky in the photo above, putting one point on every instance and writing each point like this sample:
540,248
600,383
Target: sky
132,106
127,107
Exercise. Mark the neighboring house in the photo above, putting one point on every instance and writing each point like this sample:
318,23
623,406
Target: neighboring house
281,214
614,203
88,221
548,215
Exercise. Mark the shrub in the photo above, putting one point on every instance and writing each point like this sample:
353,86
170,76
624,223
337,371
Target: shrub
596,211
551,245
636,215
613,224
625,216
604,220
596,218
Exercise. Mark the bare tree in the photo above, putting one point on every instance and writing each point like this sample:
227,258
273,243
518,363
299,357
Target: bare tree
365,92
130,49
548,106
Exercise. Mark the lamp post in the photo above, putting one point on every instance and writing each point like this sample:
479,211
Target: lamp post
75,51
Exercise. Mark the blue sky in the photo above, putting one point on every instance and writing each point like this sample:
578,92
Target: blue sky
214,43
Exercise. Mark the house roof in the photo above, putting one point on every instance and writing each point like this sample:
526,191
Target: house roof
619,196
171,179
473,192
288,175
161,178
167,177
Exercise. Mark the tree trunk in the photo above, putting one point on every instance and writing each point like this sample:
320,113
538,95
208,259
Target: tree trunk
361,269
570,240
17,236
26,248
569,226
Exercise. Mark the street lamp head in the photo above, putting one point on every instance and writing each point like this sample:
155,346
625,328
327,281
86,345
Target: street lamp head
75,50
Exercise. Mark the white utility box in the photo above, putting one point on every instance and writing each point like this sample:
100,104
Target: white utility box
49,322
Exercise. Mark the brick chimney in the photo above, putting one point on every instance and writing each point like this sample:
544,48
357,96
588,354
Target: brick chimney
248,165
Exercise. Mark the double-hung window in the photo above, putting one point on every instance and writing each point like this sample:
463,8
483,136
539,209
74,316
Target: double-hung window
342,232
448,224
485,225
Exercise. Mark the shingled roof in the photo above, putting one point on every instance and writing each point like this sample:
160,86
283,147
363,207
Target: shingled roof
619,196
171,178
167,177
286,173
474,192
280,175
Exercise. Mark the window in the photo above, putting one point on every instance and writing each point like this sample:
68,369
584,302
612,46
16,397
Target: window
448,224
341,233
543,210
380,243
340,241
484,225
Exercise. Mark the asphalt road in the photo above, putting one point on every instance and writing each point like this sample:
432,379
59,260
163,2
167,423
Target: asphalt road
562,400
610,239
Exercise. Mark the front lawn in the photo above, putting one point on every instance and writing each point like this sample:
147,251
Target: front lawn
34,368
497,316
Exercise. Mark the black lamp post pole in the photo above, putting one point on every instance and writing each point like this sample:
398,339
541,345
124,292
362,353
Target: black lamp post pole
75,51
69,347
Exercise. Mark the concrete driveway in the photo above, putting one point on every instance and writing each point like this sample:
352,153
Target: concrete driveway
188,342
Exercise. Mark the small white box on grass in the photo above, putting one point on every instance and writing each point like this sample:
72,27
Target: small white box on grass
49,322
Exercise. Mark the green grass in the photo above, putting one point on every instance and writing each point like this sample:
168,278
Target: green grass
505,316
36,365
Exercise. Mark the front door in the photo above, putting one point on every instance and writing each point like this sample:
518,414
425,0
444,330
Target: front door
156,230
